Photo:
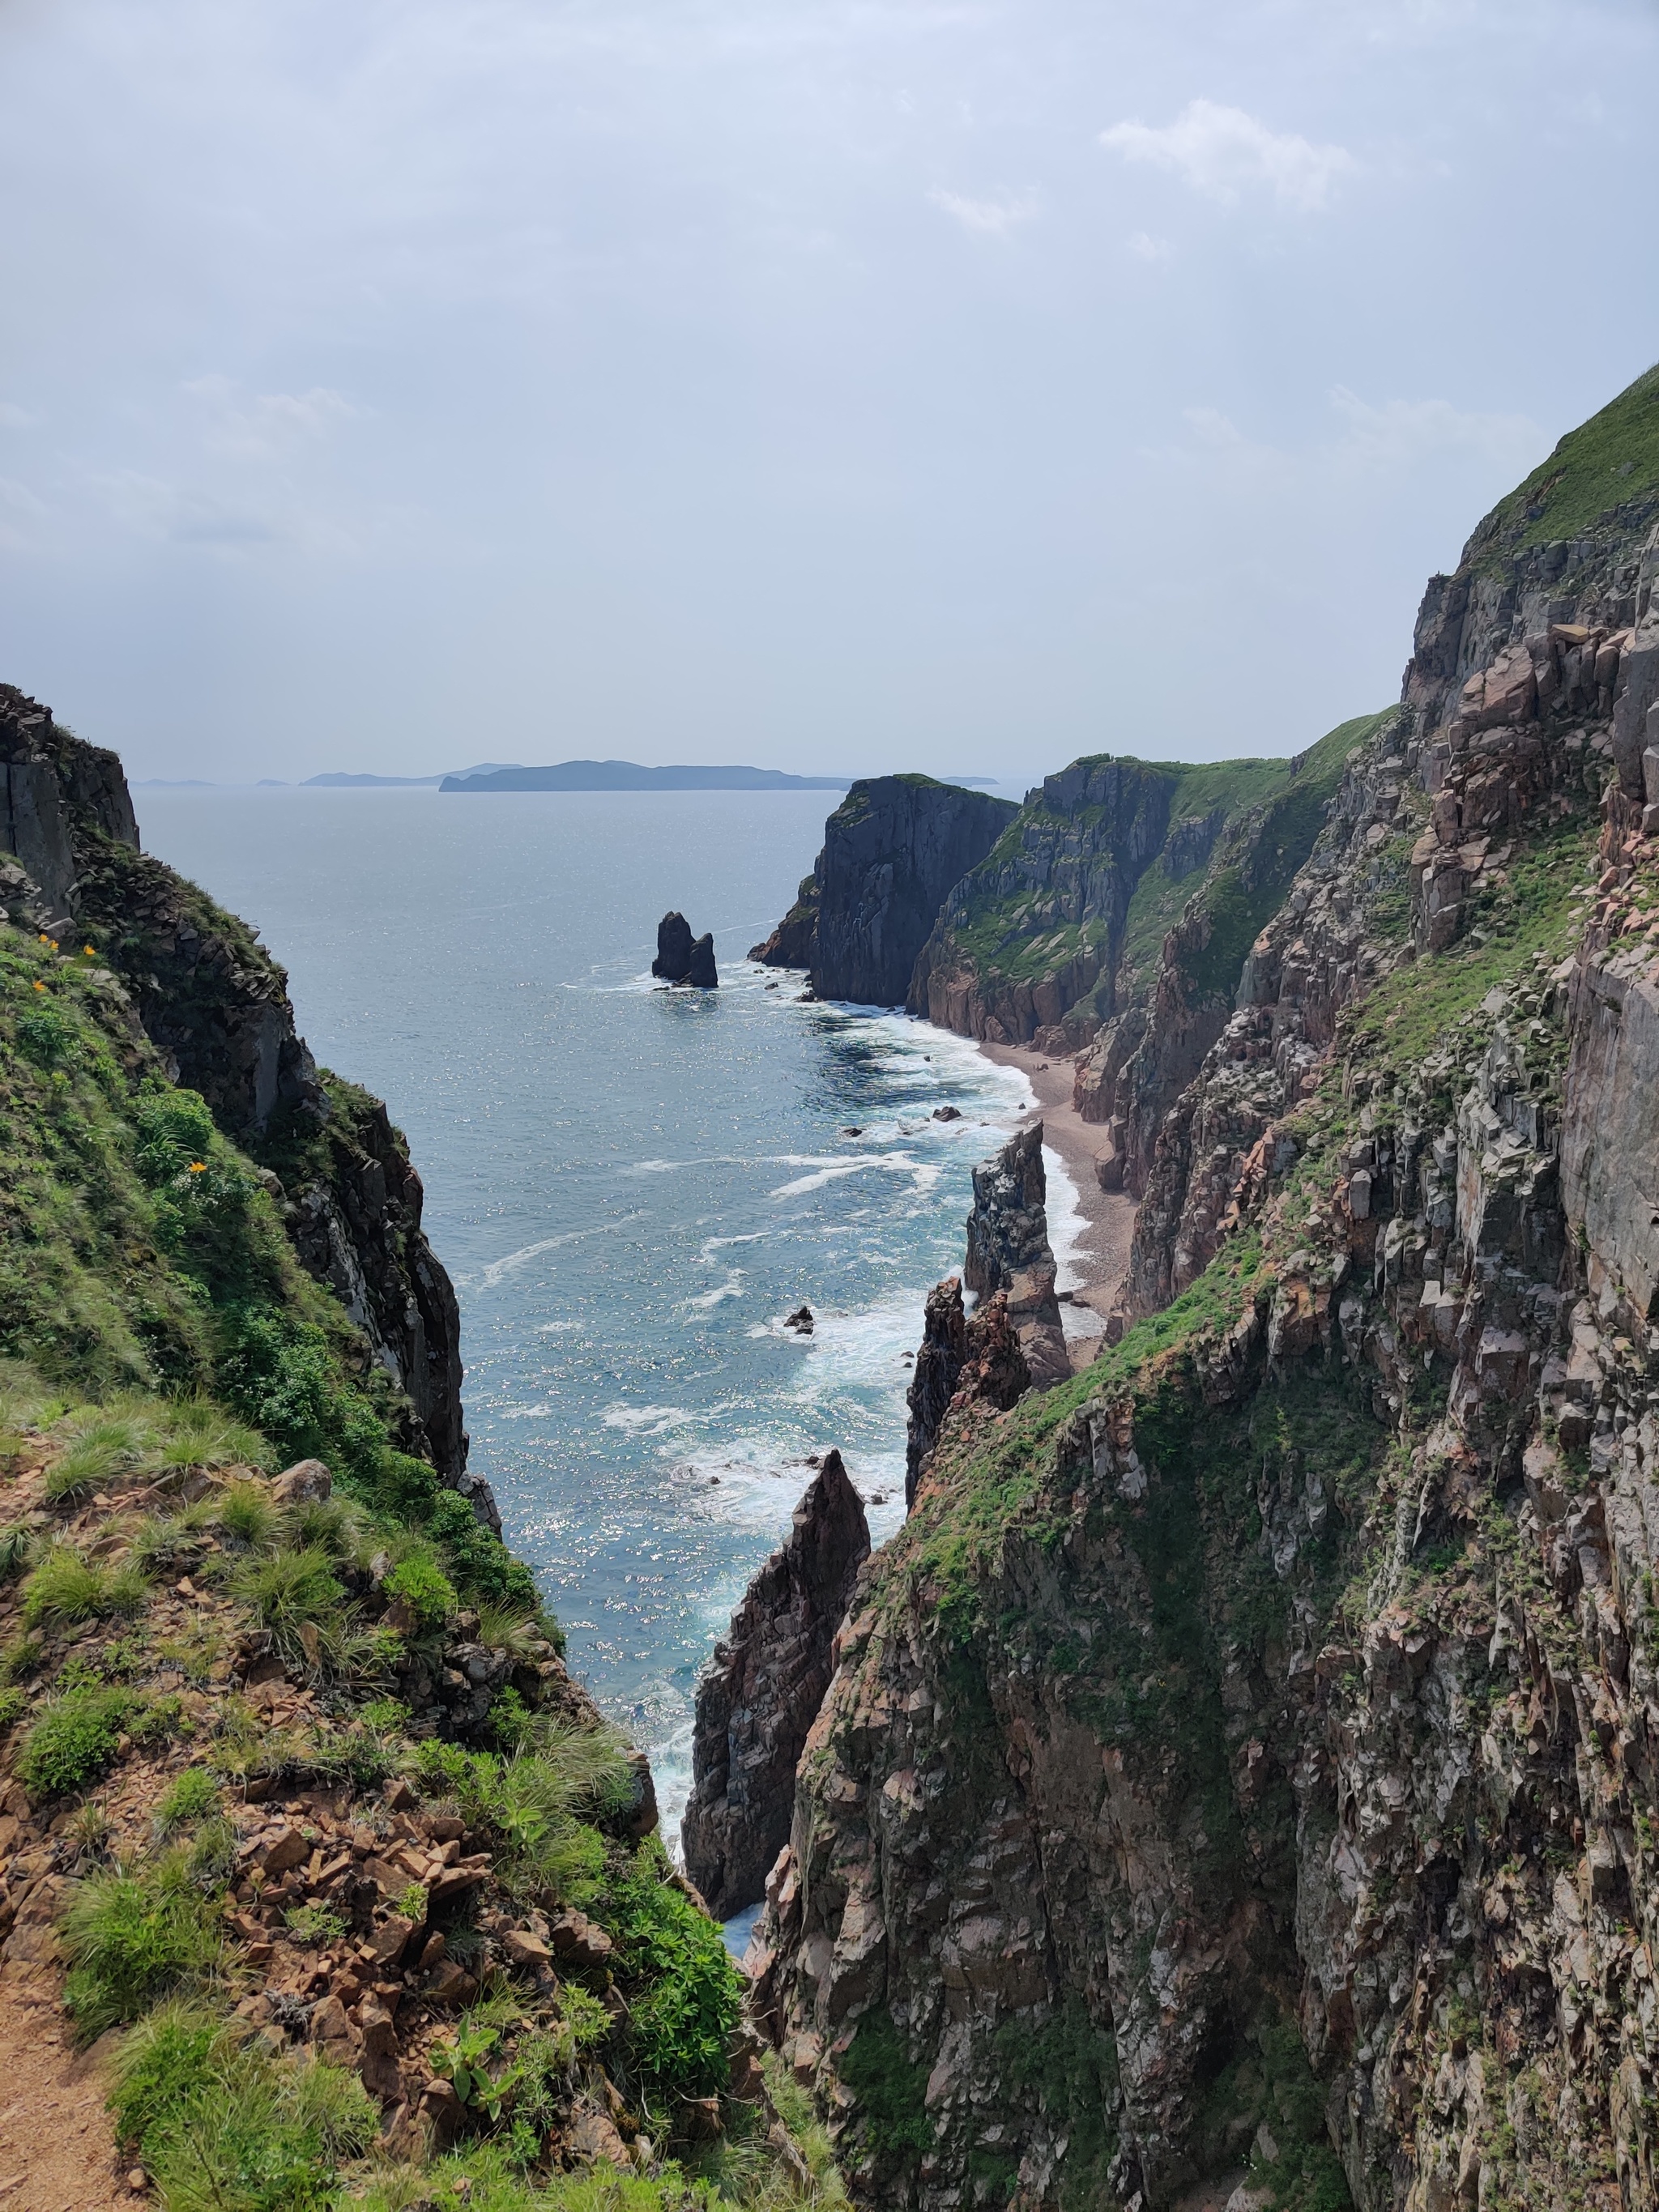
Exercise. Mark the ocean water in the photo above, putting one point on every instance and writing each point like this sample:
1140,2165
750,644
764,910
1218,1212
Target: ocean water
631,1187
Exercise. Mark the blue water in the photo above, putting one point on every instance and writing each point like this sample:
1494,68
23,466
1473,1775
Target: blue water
631,1187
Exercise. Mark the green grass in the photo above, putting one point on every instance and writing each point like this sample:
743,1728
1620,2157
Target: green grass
689,1993
889,2087
66,1588
191,1798
131,1936
1610,459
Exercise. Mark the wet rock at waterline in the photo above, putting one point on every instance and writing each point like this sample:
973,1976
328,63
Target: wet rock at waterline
682,959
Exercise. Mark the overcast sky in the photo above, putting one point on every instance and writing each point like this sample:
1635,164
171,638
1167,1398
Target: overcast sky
835,385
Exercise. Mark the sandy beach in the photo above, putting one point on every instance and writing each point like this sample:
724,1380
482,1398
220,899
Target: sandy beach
1101,1252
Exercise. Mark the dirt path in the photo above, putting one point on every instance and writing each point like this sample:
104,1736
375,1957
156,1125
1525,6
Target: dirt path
1102,1252
57,2147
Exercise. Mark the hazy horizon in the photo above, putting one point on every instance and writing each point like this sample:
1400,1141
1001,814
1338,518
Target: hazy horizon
950,385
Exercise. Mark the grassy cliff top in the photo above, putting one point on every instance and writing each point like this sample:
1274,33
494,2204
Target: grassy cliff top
1601,467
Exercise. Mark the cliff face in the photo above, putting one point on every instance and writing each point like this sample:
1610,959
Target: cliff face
1008,1251
1125,896
892,850
1251,1748
215,1005
762,1692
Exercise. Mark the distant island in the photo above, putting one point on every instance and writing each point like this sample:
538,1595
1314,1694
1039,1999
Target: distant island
628,775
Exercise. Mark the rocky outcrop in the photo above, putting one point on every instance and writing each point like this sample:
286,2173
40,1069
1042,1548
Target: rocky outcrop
50,785
1263,1729
762,1692
682,959
892,850
792,943
963,1362
1008,1251
215,1005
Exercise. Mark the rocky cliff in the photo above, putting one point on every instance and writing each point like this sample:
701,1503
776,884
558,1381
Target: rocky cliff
760,1694
1246,1761
215,1005
892,850
1060,929
964,1362
1008,1251
302,1817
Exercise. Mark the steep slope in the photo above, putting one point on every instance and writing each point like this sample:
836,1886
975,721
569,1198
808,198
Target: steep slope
1061,928
892,851
293,1782
1247,1750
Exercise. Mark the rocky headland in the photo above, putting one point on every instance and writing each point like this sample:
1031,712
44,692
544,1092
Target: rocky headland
1241,1769
892,851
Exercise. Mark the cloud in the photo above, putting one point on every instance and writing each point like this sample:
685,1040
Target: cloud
1222,151
1389,440
14,417
1146,248
269,424
986,218
1402,432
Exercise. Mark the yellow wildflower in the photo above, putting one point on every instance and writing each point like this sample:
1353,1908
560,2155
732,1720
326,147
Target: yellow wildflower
39,984
91,952
198,1167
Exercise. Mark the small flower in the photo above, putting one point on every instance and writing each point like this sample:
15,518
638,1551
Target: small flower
91,952
39,984
198,1167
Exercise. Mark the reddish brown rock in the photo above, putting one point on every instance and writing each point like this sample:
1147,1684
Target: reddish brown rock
762,1693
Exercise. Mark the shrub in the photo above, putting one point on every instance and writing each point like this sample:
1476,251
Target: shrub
195,1432
890,2089
290,1592
175,1130
12,1706
46,1036
130,1937
225,2128
682,2017
66,1587
72,1742
248,1514
98,1450
18,1548
424,1590
190,1798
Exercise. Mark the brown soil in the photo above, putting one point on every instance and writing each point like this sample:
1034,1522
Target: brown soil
1102,1254
57,2146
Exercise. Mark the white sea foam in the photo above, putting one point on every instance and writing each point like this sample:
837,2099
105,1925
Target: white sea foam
713,1244
730,1288
499,1269
649,1420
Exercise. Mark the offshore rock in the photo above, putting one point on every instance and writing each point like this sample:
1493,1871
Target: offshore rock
699,972
962,1362
892,851
1008,1251
673,960
762,1692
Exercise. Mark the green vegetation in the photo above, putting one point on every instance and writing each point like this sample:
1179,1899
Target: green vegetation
682,2020
1611,459
891,2087
132,1935
73,1740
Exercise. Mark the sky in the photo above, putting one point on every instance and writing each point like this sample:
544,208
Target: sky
953,385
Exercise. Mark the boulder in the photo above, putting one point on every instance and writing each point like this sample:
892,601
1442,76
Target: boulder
762,1692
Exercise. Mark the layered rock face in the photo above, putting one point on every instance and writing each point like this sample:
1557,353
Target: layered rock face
961,1363
1256,1741
762,1691
1008,1251
216,1005
892,850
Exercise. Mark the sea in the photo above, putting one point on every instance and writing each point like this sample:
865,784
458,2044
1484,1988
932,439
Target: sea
632,1187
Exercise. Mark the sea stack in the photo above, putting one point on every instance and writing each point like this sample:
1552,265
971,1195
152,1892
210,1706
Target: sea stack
682,959
762,1693
1008,1251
